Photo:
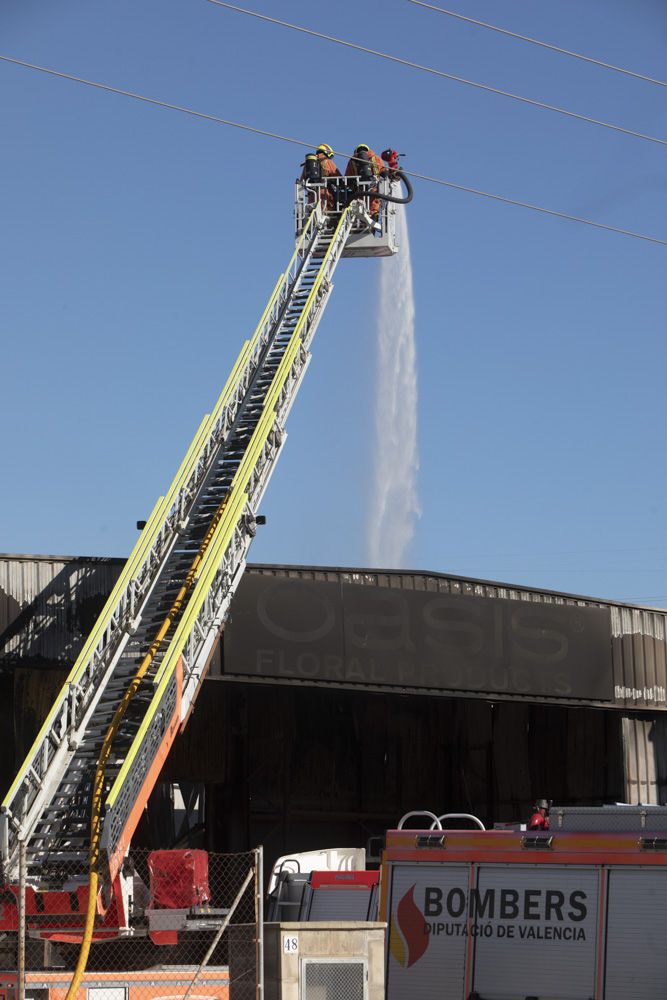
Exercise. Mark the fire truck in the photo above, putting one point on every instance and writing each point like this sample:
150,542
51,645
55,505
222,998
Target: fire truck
573,912
576,911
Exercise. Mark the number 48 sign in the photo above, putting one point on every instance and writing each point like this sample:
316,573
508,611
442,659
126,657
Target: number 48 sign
290,944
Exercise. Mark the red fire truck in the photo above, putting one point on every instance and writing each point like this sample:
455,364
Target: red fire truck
574,912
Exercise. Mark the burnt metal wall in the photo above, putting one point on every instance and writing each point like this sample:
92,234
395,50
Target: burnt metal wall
639,645
48,605
645,758
298,768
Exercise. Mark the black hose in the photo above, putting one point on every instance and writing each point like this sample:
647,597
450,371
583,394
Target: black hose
391,197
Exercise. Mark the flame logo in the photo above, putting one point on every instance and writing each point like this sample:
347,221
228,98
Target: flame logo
408,934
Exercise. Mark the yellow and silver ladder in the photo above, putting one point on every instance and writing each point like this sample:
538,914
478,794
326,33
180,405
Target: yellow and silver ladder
166,610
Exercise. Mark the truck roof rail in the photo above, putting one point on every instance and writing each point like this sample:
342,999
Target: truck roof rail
435,822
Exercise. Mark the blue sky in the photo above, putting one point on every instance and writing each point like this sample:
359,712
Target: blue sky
138,247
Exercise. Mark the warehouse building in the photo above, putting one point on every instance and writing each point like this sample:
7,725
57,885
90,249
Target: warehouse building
339,699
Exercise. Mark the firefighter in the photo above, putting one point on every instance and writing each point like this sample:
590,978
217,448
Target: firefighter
540,818
366,165
318,167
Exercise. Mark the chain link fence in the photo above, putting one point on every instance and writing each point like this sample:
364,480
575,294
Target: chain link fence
175,925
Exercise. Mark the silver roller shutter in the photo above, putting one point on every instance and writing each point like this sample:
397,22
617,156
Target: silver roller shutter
339,904
636,962
536,931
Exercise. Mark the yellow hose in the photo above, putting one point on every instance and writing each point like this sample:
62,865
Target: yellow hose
98,781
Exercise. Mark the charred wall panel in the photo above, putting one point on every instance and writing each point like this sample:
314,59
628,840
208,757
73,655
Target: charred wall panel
645,751
48,606
324,767
639,642
199,753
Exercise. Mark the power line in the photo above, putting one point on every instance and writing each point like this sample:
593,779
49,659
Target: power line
524,570
651,597
536,41
533,208
310,145
441,73
151,100
561,552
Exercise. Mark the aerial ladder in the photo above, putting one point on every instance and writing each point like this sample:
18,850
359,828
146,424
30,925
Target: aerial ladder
72,809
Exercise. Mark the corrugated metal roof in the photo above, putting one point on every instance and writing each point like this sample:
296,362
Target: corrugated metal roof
426,580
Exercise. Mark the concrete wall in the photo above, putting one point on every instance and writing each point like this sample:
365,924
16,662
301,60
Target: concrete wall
287,944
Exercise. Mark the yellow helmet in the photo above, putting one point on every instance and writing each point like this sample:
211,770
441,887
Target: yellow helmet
362,148
326,149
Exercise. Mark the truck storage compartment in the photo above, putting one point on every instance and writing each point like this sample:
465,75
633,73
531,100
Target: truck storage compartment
178,879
